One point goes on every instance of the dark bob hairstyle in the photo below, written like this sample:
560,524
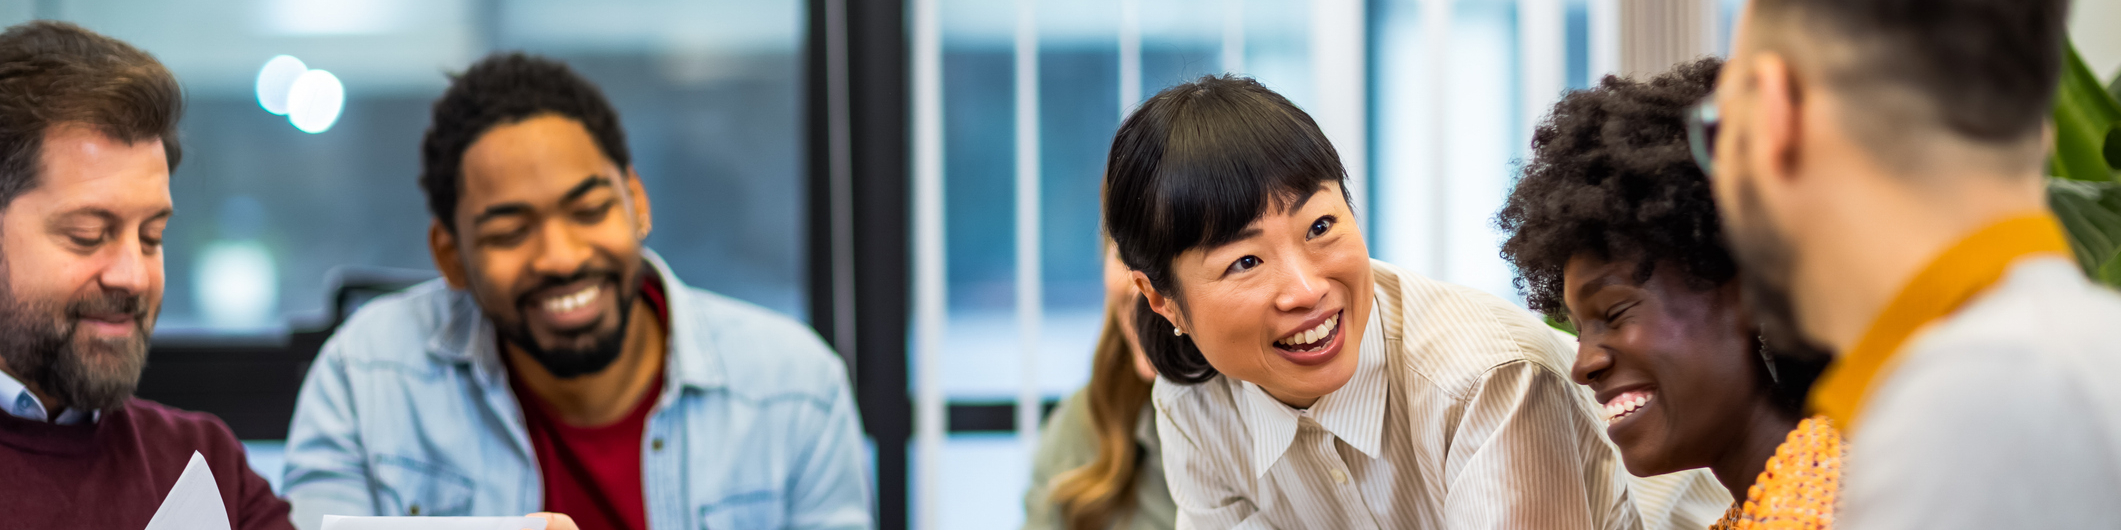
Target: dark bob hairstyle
1192,168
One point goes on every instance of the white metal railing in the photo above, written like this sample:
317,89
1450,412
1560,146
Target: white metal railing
1341,82
929,280
1030,282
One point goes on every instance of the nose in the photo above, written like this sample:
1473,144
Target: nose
560,251
1592,361
1304,288
133,268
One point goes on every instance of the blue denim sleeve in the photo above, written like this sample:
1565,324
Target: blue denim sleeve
326,467
830,487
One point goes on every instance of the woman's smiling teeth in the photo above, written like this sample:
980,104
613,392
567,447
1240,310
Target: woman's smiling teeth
1311,339
570,302
1625,405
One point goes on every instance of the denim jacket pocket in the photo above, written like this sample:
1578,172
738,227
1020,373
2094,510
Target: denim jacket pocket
405,486
743,511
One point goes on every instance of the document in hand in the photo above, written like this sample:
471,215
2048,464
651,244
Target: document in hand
194,503
342,522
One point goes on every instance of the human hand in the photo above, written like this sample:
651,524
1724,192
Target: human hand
555,521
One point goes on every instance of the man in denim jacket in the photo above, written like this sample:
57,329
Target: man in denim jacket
559,365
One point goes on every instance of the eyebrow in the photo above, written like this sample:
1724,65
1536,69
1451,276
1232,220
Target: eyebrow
1596,284
1297,204
521,208
108,215
583,187
501,210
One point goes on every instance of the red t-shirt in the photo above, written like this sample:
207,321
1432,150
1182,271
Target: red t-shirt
593,474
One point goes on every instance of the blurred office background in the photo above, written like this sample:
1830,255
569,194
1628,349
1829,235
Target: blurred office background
916,178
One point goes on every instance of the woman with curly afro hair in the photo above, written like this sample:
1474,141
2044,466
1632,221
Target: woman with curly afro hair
1612,229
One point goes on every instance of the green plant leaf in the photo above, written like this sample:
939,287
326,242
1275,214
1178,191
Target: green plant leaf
2085,117
2109,274
1561,324
2091,214
2113,137
2113,88
2113,149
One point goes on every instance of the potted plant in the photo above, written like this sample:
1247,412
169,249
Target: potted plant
2083,186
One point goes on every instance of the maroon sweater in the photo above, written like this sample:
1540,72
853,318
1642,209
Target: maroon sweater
112,474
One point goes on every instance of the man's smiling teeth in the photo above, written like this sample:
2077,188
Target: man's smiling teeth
562,304
1625,405
1304,339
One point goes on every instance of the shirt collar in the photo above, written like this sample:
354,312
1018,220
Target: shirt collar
18,401
467,337
1354,413
1951,279
1145,430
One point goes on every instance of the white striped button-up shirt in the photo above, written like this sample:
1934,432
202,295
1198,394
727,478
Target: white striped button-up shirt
1460,414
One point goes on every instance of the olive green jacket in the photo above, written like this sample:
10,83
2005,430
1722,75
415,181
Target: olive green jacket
1069,441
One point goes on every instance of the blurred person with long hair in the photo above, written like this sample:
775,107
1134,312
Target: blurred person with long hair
1099,464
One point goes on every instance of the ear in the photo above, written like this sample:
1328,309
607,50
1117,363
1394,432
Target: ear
638,194
448,258
1778,118
1162,305
2047,135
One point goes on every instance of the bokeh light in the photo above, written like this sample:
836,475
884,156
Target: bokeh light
314,102
274,81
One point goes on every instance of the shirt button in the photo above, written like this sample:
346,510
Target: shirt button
657,444
1340,476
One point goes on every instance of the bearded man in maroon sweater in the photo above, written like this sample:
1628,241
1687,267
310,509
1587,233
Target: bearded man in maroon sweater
87,142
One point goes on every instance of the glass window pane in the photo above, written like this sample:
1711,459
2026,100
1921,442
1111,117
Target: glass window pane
1443,168
709,93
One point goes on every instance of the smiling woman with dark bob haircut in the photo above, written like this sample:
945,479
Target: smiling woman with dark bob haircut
1304,385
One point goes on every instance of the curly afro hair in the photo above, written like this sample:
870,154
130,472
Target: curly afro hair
501,89
1611,177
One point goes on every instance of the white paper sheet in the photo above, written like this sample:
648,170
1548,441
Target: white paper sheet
342,522
194,503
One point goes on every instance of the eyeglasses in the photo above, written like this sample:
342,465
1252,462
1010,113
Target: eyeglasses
1701,123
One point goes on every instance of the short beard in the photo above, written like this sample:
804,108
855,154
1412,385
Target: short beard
1765,262
567,362
41,345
